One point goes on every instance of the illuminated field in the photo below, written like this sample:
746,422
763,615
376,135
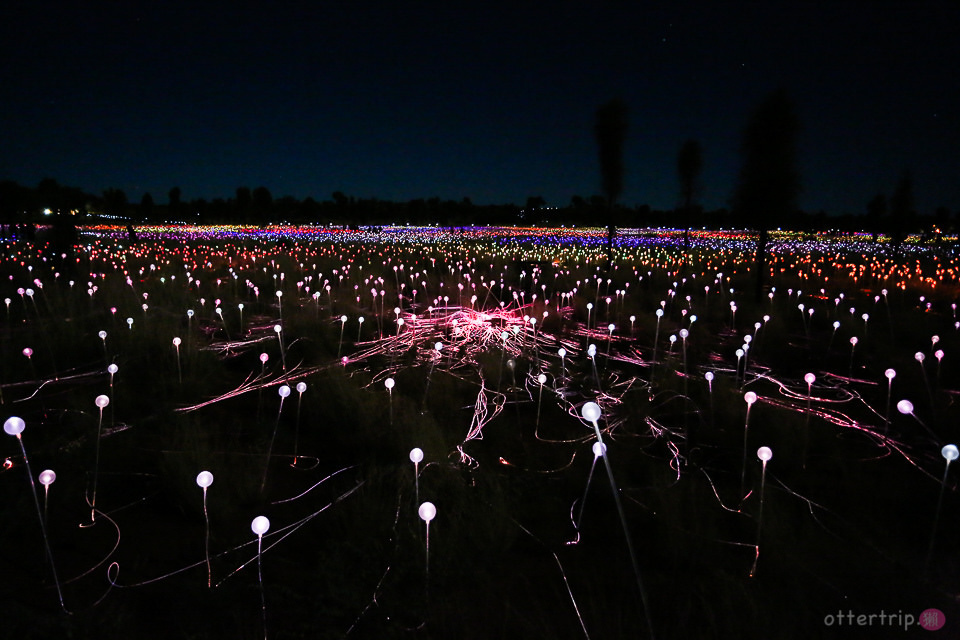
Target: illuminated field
481,347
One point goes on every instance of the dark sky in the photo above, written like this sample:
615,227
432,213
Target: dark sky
489,100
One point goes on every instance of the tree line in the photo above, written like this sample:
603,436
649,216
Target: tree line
892,215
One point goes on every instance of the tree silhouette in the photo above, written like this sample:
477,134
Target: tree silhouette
173,203
244,204
262,203
115,202
941,218
610,130
902,212
15,201
689,166
876,212
769,182
146,207
531,213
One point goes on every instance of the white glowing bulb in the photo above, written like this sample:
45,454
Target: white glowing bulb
204,479
260,525
427,512
764,453
590,411
416,455
102,401
14,426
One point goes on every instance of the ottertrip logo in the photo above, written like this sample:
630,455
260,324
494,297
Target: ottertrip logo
930,619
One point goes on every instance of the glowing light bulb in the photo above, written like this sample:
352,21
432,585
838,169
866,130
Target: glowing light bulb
427,511
204,479
590,411
14,426
260,525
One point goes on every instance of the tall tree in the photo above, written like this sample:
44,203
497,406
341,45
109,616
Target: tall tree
876,212
174,204
146,207
115,202
531,213
610,129
689,166
262,203
769,181
244,204
902,212
941,218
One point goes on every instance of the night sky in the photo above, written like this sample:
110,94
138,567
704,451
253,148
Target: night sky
492,101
